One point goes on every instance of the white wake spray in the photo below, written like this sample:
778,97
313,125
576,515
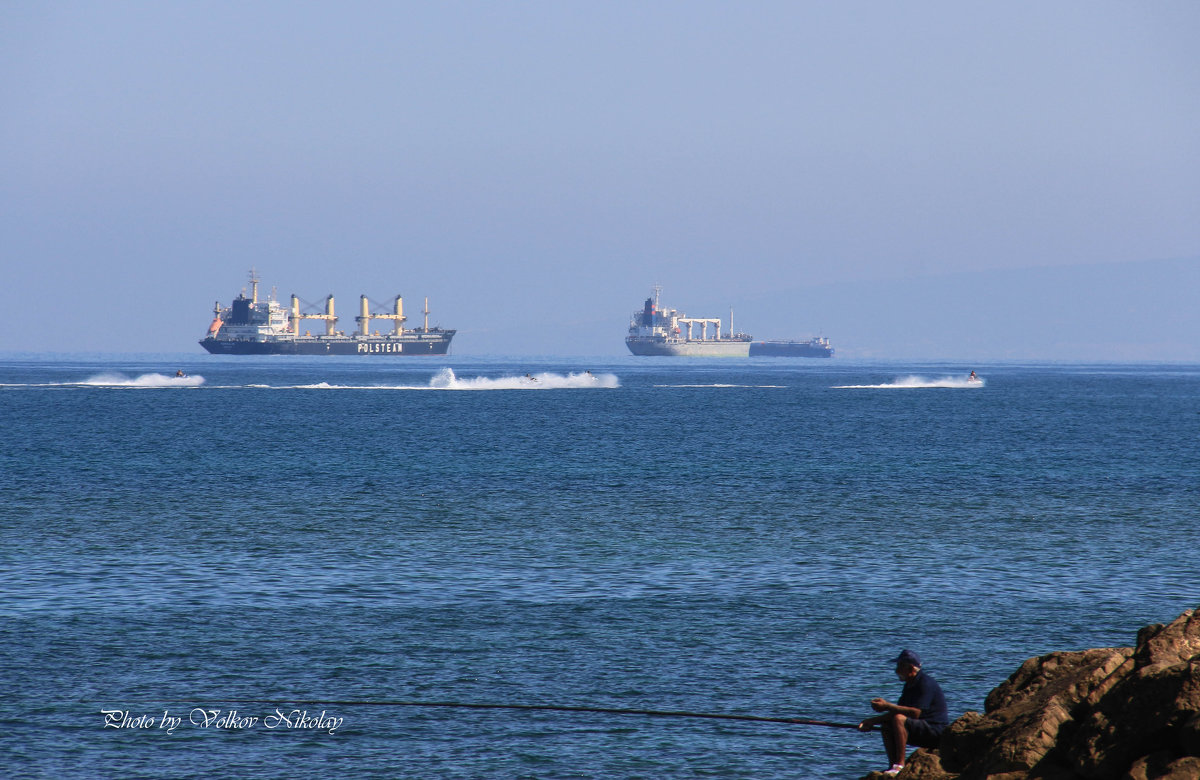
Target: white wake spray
446,380
144,380
913,382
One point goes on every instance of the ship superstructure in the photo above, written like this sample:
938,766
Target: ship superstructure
253,327
654,330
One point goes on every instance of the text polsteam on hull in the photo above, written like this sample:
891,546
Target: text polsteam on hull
253,327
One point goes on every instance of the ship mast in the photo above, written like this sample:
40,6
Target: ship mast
253,286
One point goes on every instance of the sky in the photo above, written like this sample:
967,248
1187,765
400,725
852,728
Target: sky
847,169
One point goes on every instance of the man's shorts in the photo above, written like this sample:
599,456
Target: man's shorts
922,733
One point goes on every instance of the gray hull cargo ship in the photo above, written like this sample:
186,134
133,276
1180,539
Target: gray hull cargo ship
657,331
253,327
813,348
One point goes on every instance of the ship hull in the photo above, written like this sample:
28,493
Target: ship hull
805,349
650,347
420,344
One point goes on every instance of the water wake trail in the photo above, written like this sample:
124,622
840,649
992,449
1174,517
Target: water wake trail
144,380
913,382
724,385
446,380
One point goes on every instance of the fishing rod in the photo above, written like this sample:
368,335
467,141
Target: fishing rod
547,707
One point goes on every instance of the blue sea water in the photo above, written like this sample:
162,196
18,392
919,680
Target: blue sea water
740,536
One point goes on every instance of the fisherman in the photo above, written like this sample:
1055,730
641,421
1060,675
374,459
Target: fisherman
917,719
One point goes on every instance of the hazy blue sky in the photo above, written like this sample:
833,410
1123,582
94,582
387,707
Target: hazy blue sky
534,167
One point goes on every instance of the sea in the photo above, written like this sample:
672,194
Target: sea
268,567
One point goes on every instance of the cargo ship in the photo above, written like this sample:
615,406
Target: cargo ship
813,348
656,331
253,327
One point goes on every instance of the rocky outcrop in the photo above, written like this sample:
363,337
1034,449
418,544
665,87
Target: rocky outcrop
1107,714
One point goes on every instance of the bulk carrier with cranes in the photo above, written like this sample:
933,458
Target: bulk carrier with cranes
658,331
253,327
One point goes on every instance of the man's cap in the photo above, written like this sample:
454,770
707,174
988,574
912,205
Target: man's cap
908,657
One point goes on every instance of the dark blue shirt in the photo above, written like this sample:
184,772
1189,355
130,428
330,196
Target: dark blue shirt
925,694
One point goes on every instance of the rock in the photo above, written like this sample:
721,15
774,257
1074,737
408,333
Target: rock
1159,766
1104,714
1025,715
923,763
927,764
1189,735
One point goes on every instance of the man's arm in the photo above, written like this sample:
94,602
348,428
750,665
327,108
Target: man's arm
871,723
883,705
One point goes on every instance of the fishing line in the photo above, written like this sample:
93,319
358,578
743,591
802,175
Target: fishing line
546,707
